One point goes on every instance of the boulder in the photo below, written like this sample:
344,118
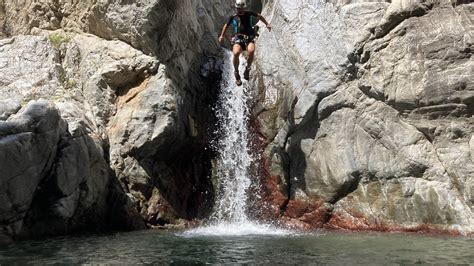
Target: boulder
29,144
65,183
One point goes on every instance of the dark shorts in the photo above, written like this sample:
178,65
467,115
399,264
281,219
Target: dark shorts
242,40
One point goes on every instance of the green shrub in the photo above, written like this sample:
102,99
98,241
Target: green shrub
57,39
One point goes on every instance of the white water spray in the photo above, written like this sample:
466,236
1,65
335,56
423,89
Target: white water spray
234,158
234,161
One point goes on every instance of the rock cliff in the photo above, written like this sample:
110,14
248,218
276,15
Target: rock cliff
363,113
104,113
366,113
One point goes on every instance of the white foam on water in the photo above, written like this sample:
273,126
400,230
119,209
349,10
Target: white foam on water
236,229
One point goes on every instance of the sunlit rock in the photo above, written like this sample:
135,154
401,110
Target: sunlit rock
369,106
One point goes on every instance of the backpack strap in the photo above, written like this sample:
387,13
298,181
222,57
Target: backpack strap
236,23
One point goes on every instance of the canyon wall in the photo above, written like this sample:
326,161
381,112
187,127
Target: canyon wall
362,110
105,109
365,109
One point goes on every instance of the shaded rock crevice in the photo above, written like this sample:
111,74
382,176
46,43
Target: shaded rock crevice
166,166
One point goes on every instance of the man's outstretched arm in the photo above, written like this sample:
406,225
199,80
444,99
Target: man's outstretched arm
260,17
221,37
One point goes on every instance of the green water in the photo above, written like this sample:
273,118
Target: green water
173,248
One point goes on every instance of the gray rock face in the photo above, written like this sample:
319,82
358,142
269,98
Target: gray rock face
115,113
53,180
2,19
367,107
87,78
28,148
173,31
158,133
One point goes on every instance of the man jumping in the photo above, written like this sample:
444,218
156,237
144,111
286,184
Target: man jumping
243,38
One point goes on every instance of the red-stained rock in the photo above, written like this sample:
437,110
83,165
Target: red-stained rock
315,214
346,222
307,216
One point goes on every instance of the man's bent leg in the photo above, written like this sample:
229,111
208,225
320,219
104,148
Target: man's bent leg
236,50
251,51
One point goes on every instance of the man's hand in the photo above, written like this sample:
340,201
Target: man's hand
221,39
269,27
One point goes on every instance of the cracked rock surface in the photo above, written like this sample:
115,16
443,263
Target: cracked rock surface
104,112
367,110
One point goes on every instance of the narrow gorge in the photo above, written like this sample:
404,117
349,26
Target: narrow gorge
360,115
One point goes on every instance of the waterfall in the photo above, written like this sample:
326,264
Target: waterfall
234,158
233,163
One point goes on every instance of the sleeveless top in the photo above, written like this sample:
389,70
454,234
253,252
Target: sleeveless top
243,24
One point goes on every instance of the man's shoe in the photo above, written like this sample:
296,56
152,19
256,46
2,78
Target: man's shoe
247,73
237,78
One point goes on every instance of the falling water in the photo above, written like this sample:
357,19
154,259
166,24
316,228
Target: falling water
234,158
234,161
